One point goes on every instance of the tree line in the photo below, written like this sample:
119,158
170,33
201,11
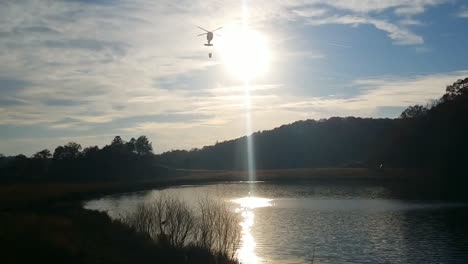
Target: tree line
118,160
431,137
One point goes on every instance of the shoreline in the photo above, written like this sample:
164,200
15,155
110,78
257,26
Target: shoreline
14,196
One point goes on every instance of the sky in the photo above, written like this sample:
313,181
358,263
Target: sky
86,71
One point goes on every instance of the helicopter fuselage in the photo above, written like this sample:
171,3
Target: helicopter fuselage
209,38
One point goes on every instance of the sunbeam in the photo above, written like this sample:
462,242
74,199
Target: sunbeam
250,146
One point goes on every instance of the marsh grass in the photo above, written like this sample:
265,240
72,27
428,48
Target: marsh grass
210,227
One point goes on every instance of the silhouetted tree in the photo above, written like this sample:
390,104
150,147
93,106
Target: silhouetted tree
455,90
3,160
69,151
21,157
143,147
42,155
117,141
414,112
117,146
130,145
89,151
74,148
59,153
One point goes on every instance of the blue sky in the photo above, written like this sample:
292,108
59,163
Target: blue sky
86,71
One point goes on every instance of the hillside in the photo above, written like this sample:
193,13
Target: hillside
334,142
432,137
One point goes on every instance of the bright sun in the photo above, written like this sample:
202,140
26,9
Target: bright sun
245,52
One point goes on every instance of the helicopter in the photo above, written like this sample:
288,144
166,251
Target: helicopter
209,37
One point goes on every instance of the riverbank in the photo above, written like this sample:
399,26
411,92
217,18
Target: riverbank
67,234
46,223
14,196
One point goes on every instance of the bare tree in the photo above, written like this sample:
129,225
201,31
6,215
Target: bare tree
218,227
170,221
165,219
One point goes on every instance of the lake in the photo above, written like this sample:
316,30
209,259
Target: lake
307,222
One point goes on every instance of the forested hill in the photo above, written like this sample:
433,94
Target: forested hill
433,136
334,142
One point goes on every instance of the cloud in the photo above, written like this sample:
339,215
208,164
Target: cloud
399,35
410,22
463,14
63,102
410,10
310,12
9,102
12,86
407,91
311,55
377,6
378,93
323,12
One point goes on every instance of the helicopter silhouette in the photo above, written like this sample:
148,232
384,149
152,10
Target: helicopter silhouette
209,37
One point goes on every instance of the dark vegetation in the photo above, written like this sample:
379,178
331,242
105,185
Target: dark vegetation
120,160
75,235
431,138
213,229
46,223
334,142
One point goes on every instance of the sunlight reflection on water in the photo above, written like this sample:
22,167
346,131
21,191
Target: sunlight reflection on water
326,223
246,208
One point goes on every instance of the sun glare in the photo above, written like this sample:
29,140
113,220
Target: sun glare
253,202
246,253
245,52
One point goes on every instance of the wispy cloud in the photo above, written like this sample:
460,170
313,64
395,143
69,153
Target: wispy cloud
410,22
463,14
322,12
399,35
410,10
380,92
310,12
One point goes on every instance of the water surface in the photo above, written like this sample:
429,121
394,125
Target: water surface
333,223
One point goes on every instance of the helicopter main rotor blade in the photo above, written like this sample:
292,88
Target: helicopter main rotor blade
203,29
202,34
217,29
